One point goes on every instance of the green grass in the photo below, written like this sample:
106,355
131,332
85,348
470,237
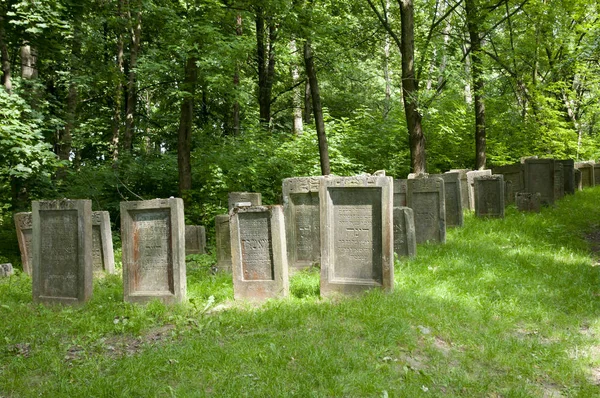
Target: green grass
507,308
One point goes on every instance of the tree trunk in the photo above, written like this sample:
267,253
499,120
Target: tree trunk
5,79
265,46
136,32
118,93
236,82
307,102
28,62
410,88
297,95
318,110
184,138
478,83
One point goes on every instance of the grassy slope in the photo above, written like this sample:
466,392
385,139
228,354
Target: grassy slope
506,308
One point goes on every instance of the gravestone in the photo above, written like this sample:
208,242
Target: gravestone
415,175
302,222
223,242
195,239
489,196
526,158
513,180
153,236
405,243
23,224
6,270
400,188
470,183
568,176
559,180
426,197
464,186
103,257
253,198
530,202
577,178
453,198
596,174
357,248
62,251
587,174
539,177
258,253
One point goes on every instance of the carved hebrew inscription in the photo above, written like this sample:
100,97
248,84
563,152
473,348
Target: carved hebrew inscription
152,259
426,206
306,226
257,250
59,253
357,233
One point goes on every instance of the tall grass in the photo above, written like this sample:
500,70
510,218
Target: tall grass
507,308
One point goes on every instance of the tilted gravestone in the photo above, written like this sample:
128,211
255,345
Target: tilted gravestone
426,196
62,251
539,177
559,180
464,186
405,242
453,198
23,224
530,202
357,248
513,180
587,174
195,239
153,236
400,188
103,257
258,253
577,175
489,196
302,222
470,178
223,242
568,176
253,198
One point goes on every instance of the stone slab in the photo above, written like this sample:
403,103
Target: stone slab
195,239
153,236
588,178
223,243
596,174
452,199
357,248
62,251
577,177
400,189
405,242
6,270
528,202
470,184
103,257
24,228
302,221
489,196
568,176
426,196
464,186
258,253
540,177
559,180
254,198
514,180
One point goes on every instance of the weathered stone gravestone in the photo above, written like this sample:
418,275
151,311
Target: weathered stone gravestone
530,202
577,175
62,251
302,222
253,198
453,198
559,180
405,242
587,174
153,236
464,186
223,243
400,188
23,224
596,174
513,180
415,175
568,176
426,196
103,257
357,248
6,270
539,177
470,183
489,196
195,239
258,253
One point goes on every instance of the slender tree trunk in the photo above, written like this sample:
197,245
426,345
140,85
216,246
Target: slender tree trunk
410,89
184,141
265,46
5,79
307,110
118,91
478,83
297,95
28,62
136,32
236,82
318,110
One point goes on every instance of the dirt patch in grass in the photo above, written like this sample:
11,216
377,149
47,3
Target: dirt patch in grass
118,346
593,239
